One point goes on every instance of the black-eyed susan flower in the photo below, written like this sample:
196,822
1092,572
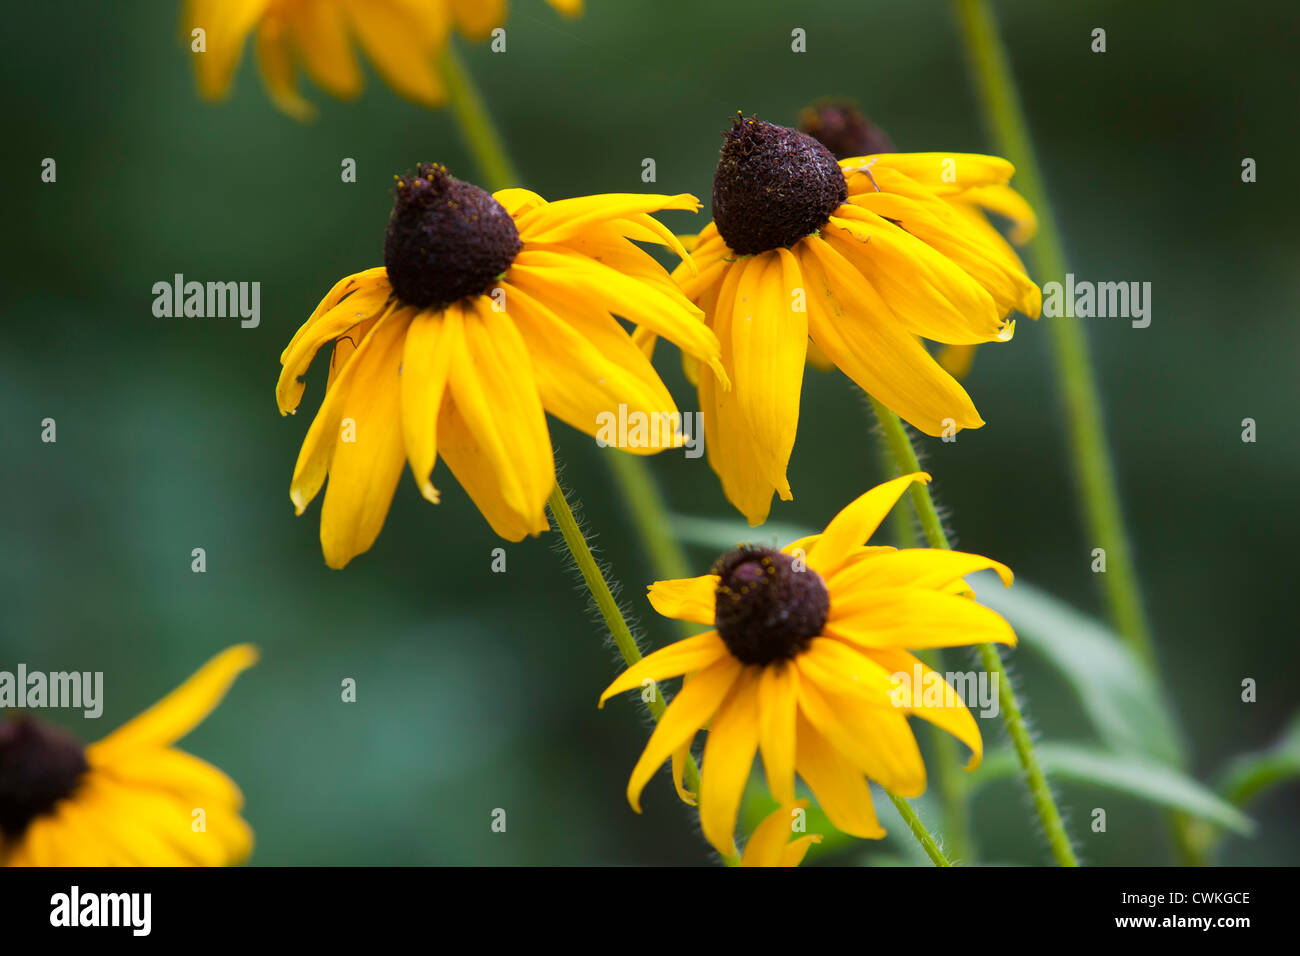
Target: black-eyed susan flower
843,129
771,845
867,257
401,38
131,799
802,667
490,311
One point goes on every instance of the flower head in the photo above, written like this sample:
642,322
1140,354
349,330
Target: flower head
866,257
801,667
130,799
490,311
402,38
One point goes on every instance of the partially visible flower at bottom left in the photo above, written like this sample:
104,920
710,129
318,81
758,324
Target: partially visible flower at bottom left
130,799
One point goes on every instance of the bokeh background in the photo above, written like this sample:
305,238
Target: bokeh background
477,690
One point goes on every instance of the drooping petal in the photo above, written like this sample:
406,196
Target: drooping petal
279,75
770,838
565,218
401,38
368,447
226,25
769,340
730,448
839,787
855,328
496,395
433,341
478,18
323,43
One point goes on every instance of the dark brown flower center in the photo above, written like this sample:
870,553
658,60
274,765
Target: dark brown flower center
843,129
446,239
39,766
767,607
773,186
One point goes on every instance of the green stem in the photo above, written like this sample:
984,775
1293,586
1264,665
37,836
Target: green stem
1094,471
953,794
928,843
475,123
608,607
905,455
1093,467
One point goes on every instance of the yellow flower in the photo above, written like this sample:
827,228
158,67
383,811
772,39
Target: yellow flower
865,257
402,38
770,844
843,129
490,311
804,664
130,799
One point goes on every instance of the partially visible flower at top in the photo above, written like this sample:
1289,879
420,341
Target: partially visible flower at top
490,311
865,257
847,132
770,843
402,38
800,668
130,799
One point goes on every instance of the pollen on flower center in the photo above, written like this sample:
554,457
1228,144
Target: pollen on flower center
39,766
773,186
446,239
767,608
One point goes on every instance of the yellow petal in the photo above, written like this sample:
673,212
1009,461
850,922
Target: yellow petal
183,709
769,340
368,447
839,787
769,839
321,32
689,711
858,522
876,740
566,218
728,759
732,452
279,75
226,25
433,340
942,707
855,328
913,617
496,395
686,599
402,39
478,18
777,709
682,657
362,298
913,568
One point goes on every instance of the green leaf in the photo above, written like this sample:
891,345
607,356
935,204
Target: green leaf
1116,690
1133,774
1251,773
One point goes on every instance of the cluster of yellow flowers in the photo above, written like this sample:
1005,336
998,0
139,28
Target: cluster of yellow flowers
491,310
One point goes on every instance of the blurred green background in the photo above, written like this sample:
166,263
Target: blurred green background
478,690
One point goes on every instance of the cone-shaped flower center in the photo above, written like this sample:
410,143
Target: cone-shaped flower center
773,186
446,239
844,130
39,766
768,607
